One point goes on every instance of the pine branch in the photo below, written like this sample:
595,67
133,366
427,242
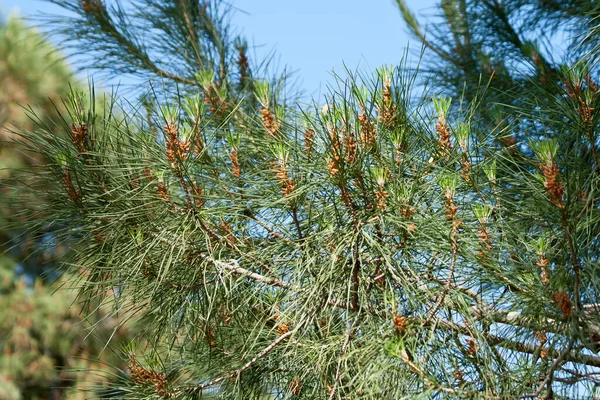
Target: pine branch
412,22
265,352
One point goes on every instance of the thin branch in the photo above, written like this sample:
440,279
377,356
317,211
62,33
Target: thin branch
550,374
237,372
338,372
446,288
233,266
191,32
521,347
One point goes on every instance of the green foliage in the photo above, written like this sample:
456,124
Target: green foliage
509,50
386,245
301,268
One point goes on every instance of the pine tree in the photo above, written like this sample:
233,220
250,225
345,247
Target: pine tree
386,245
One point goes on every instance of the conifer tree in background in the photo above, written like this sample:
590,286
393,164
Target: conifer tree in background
385,246
516,48
47,351
41,85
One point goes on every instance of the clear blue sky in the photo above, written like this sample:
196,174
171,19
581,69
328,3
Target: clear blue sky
312,37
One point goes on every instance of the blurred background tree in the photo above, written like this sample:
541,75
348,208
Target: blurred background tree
32,73
47,348
33,78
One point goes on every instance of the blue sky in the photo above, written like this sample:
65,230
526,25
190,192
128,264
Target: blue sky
312,37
